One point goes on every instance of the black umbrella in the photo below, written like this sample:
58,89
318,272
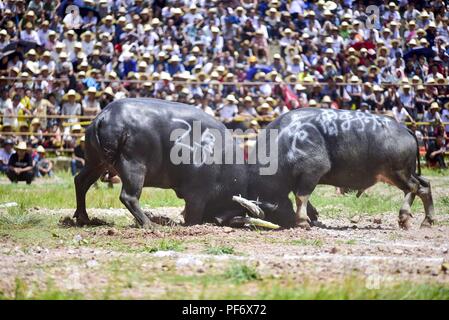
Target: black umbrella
422,51
20,46
85,10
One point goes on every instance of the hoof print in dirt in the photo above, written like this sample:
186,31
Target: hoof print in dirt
427,223
163,221
69,222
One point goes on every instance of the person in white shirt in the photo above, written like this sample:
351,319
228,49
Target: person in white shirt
229,109
43,32
87,43
4,41
90,103
401,115
29,34
297,65
69,43
204,105
73,19
71,107
192,15
11,113
47,62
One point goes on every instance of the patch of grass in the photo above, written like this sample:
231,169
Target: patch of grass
24,291
219,250
60,193
19,218
166,245
434,172
240,273
308,242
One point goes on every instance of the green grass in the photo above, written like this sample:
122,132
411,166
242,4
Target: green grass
55,194
27,229
19,218
249,287
308,242
167,245
240,273
219,250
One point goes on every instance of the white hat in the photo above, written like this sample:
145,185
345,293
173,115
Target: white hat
231,98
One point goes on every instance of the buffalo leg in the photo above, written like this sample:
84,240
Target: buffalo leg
194,211
133,177
412,186
425,194
302,220
405,211
312,212
83,181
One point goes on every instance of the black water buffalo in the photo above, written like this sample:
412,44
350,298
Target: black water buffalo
135,139
347,149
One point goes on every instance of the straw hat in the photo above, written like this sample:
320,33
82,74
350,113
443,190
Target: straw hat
93,90
21,146
40,149
231,98
35,121
174,58
71,93
377,88
434,105
355,59
166,76
354,79
109,92
326,99
264,107
312,103
83,138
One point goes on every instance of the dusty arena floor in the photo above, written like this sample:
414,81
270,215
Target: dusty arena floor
352,255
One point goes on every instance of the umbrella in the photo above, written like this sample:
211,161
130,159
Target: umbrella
65,3
11,54
20,46
85,10
422,51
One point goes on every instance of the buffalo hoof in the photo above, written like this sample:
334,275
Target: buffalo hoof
303,224
427,223
82,221
405,220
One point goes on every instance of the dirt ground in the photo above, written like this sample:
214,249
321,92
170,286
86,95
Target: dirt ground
371,248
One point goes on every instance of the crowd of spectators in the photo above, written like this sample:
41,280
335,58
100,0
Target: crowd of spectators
244,61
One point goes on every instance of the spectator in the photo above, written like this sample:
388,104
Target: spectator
135,49
5,154
229,109
20,165
401,114
78,157
42,166
90,104
71,106
435,153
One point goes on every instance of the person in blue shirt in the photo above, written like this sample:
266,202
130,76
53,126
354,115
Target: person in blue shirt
174,65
